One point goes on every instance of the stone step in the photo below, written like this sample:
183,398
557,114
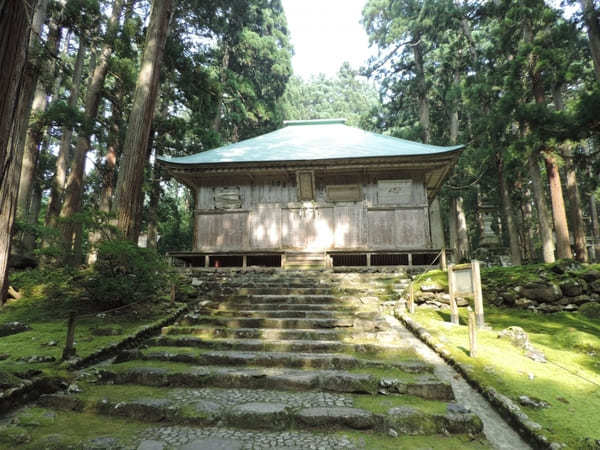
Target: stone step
278,298
242,322
285,290
272,314
279,379
302,346
270,288
270,415
255,333
293,360
284,306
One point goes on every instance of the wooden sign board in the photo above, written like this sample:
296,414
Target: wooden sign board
394,192
344,193
227,198
465,279
306,185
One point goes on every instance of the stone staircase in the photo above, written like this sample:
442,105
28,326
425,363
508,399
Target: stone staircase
276,353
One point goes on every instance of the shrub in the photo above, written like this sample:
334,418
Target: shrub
590,310
125,273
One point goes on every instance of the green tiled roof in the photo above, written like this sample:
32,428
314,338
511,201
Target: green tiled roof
308,140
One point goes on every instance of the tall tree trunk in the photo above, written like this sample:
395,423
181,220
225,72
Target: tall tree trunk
36,127
452,229
595,227
14,33
62,160
591,17
30,78
131,171
542,209
563,246
576,216
513,234
15,38
462,237
74,185
424,118
223,79
153,208
108,182
529,225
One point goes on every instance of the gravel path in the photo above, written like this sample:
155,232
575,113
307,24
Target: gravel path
499,434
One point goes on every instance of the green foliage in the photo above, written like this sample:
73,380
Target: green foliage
125,273
590,310
346,95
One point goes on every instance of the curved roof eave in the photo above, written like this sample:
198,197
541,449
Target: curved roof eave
308,142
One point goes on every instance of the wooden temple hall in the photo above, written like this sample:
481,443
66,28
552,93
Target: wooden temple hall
315,193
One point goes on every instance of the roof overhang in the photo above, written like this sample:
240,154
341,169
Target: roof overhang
436,166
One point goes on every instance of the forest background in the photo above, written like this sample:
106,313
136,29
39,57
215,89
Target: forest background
95,90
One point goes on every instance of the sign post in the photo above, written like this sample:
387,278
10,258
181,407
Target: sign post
465,279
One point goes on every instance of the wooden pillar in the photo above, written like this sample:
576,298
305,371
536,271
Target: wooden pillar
477,294
69,350
453,306
472,335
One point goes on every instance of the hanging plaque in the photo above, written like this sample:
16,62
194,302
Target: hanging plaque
227,198
394,192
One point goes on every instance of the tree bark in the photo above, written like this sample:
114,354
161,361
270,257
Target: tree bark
513,235
153,208
74,185
529,226
131,172
106,194
576,216
452,229
14,33
591,17
424,118
223,79
595,227
563,246
542,209
62,160
35,133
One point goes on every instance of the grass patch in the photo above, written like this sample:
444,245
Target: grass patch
44,428
436,276
570,382
120,393
387,373
380,404
376,441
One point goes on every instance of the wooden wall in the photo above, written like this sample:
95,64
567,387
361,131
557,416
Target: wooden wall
268,216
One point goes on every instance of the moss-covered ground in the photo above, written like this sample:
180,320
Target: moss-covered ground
36,428
45,307
569,382
376,441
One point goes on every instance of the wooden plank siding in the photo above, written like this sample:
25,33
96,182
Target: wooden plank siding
271,218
